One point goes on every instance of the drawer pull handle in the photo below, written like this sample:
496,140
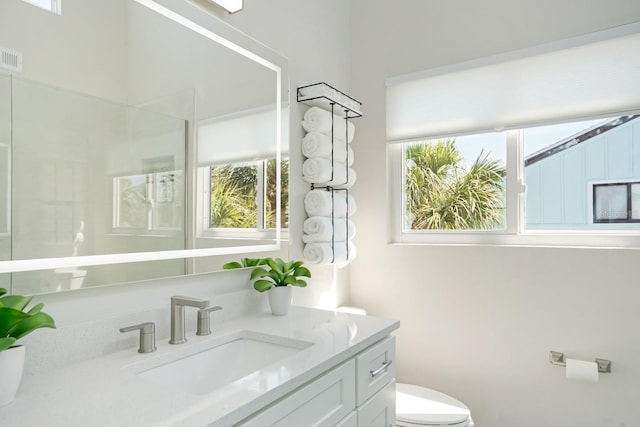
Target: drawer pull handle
381,369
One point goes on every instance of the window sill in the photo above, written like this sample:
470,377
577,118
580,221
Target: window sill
531,239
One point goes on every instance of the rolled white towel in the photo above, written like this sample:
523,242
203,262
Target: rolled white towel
321,253
316,144
320,229
318,120
318,203
318,171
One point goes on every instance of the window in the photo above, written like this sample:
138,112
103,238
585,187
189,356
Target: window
579,179
151,202
569,112
54,6
616,202
570,171
148,203
237,188
455,183
241,197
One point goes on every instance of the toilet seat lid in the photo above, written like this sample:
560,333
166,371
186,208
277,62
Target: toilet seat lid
423,406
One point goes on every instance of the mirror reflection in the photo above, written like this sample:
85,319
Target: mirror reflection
124,132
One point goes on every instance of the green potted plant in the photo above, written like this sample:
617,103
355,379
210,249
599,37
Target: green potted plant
277,277
15,323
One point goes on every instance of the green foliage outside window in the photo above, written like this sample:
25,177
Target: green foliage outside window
441,194
234,190
233,196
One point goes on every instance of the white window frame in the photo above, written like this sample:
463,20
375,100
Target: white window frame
54,6
515,233
203,209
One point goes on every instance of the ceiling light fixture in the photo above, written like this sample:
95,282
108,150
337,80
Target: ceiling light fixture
231,6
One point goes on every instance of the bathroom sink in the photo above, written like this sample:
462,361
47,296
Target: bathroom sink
203,370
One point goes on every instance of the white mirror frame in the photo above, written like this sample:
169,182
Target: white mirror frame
15,266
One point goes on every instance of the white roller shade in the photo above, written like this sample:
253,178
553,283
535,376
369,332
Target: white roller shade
585,76
240,137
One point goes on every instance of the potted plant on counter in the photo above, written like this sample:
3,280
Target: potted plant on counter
16,323
278,277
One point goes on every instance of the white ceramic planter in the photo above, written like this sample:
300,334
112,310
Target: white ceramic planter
11,367
280,298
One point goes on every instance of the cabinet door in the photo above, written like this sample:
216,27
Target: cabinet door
375,368
380,410
321,403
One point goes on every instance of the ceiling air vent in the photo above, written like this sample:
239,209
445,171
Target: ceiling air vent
10,60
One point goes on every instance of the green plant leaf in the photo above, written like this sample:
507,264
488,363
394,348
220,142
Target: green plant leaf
18,302
3,291
36,309
252,262
259,272
275,265
297,282
262,285
302,271
231,265
6,342
278,278
31,323
289,280
9,317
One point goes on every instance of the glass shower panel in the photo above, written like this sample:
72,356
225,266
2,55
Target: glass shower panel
74,157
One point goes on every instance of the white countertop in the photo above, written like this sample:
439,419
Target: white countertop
103,391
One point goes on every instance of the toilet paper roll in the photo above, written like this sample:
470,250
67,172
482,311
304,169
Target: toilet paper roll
582,370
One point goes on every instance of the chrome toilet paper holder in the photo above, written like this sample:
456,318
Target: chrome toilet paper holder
557,358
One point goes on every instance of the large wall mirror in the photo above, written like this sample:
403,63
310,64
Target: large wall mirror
135,135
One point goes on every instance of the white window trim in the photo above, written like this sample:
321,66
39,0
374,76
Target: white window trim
515,234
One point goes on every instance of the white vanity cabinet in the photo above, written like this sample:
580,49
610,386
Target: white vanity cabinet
359,392
323,402
380,410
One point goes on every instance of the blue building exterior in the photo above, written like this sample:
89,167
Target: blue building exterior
587,181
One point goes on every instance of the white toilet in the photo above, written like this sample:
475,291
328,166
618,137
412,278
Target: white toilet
419,406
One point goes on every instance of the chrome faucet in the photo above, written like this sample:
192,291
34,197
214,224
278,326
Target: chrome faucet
177,316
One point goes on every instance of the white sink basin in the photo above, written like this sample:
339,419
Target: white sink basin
224,361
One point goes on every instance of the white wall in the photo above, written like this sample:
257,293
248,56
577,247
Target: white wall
55,55
478,322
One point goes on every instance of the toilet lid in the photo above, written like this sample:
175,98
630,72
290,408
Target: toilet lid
423,406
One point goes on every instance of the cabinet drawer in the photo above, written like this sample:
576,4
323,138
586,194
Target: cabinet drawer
350,421
323,402
380,410
375,368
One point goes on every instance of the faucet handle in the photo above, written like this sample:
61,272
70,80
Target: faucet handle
204,320
147,336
